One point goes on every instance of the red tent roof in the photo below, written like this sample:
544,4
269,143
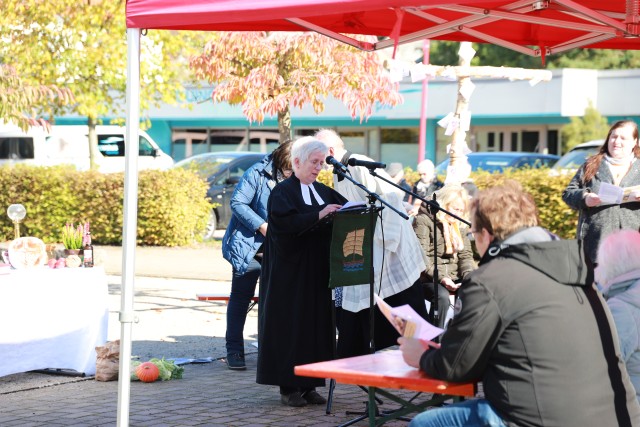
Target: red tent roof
525,26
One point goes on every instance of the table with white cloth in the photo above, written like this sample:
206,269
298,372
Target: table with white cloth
52,319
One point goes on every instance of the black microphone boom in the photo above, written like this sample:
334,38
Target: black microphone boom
366,164
336,164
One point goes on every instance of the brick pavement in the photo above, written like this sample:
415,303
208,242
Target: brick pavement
172,324
208,395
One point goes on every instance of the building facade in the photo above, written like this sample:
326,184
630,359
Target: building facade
505,116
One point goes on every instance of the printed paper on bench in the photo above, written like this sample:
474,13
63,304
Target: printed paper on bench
407,322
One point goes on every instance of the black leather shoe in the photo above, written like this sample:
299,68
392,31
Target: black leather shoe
293,399
314,397
235,361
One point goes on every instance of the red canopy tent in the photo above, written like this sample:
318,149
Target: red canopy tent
528,26
532,27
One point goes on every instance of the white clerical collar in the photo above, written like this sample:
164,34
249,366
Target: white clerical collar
305,194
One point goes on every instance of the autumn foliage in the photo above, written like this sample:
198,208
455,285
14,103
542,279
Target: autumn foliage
268,73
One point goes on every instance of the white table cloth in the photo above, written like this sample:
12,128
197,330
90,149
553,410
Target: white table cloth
52,318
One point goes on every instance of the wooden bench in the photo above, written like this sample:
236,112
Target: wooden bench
225,297
388,370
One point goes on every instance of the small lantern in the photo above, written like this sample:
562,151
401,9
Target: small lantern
16,213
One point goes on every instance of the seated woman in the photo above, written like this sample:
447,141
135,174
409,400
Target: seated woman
453,252
294,325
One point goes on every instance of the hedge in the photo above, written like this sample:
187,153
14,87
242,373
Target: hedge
546,190
172,205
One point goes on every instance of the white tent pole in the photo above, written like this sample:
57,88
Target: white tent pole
127,314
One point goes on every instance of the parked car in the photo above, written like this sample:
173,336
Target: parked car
497,161
574,158
223,171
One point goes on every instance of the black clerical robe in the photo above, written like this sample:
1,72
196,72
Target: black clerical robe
295,326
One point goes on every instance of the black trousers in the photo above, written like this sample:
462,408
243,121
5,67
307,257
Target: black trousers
443,302
353,328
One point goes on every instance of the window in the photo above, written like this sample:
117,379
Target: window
236,170
145,147
113,146
16,148
530,141
552,142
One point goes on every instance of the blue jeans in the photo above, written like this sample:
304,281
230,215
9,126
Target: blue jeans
470,413
243,287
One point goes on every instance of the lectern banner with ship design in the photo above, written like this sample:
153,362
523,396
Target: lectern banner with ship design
351,249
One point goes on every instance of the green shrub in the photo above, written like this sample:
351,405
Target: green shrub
172,205
546,190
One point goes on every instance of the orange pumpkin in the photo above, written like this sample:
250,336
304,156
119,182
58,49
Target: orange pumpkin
147,372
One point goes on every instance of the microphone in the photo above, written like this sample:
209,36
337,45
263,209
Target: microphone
336,164
367,164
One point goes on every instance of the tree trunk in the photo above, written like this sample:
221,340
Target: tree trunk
93,143
284,125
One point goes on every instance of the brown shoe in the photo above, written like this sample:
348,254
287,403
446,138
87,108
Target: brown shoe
314,397
293,399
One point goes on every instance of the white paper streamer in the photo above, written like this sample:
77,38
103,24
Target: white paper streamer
466,89
444,122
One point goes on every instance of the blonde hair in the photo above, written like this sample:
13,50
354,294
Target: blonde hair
504,209
451,193
618,253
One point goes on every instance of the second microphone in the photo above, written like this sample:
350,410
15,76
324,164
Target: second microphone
367,164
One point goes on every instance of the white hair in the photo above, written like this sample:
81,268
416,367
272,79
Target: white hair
330,137
426,166
304,146
618,253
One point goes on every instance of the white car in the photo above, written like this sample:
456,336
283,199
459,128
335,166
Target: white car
574,158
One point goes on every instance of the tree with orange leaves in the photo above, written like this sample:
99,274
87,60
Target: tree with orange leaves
268,73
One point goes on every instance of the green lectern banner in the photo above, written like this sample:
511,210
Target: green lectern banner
350,249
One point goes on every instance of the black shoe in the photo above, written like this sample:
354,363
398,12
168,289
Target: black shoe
314,397
235,361
293,399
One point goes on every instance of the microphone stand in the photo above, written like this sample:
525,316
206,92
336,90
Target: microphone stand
373,209
433,208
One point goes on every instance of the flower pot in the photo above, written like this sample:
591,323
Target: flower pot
74,257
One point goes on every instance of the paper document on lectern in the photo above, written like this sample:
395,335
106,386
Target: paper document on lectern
407,322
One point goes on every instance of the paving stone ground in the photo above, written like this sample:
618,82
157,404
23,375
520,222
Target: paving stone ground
172,323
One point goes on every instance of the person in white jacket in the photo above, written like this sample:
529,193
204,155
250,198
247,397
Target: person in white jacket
618,275
397,258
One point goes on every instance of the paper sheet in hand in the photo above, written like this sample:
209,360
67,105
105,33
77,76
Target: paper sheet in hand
613,195
407,322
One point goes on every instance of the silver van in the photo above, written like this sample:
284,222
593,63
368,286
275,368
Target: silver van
69,144
574,158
